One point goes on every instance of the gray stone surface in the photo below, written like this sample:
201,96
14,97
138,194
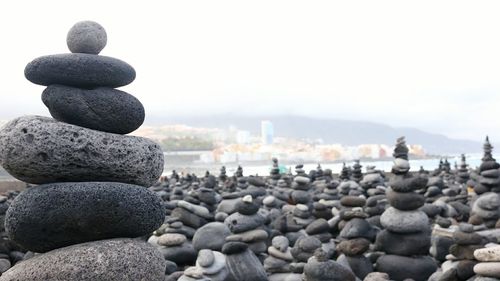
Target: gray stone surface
40,150
211,236
86,37
110,260
79,70
52,216
404,221
102,109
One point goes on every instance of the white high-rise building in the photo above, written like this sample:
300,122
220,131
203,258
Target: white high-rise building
267,132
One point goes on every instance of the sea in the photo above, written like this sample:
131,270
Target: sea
473,161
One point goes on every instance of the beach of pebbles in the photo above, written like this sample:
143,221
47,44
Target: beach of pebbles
97,207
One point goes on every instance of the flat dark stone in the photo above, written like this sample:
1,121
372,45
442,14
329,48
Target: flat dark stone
102,109
52,216
79,70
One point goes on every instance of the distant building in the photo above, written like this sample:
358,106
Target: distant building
267,132
243,137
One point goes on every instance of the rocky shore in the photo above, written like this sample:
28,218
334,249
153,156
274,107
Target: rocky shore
97,209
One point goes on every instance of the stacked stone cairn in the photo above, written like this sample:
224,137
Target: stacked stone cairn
279,263
91,201
246,225
356,234
406,237
345,174
488,267
357,172
462,171
489,179
460,262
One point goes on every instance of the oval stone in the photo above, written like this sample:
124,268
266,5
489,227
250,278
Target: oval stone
79,70
404,221
86,211
102,109
40,150
116,259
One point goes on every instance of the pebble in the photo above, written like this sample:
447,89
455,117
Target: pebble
490,254
86,37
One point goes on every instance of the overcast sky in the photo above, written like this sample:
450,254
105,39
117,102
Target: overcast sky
433,65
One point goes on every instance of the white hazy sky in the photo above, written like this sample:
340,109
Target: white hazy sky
433,65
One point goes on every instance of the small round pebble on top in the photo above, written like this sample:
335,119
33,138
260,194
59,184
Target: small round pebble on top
86,37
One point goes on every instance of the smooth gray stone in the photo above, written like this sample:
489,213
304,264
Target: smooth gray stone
86,37
111,260
52,216
401,267
40,150
404,221
245,266
79,70
102,109
406,244
211,236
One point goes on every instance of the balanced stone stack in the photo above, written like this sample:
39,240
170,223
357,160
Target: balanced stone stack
345,174
486,209
461,259
279,263
246,226
463,171
357,173
488,268
406,237
93,178
489,179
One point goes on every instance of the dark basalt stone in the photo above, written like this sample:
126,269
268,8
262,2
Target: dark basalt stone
40,150
405,201
116,259
79,70
402,268
403,244
56,215
102,109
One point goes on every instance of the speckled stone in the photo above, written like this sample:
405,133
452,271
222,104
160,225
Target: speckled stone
41,150
111,260
52,216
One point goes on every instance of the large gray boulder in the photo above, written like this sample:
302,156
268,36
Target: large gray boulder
52,216
110,260
39,150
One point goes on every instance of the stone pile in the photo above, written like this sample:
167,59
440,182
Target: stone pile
406,235
92,199
489,179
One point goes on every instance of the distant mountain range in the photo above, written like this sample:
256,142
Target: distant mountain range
331,131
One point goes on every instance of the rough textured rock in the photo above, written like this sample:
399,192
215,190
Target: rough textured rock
86,37
102,109
407,244
86,211
404,221
401,268
79,70
111,260
40,150
245,266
